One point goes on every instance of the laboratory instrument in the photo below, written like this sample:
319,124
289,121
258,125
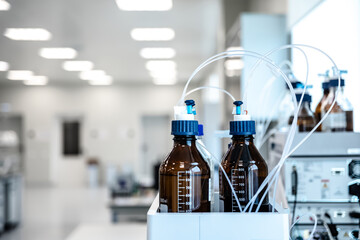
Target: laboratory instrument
326,175
13,195
184,174
243,165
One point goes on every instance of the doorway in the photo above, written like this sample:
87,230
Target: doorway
156,144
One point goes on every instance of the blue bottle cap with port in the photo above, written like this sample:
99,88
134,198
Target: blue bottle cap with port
185,127
241,127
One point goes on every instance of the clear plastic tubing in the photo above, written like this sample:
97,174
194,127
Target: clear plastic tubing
298,220
210,87
251,54
276,170
265,92
204,148
283,158
212,59
236,53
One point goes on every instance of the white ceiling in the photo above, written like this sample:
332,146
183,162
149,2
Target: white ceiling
100,32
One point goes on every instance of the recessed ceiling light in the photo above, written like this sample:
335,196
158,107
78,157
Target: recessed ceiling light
164,81
163,73
36,80
160,65
157,53
152,34
234,64
19,75
27,34
233,48
105,80
4,66
77,65
144,5
92,75
58,53
4,5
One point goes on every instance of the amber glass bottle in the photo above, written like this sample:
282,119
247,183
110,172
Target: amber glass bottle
341,116
184,175
244,167
325,86
306,119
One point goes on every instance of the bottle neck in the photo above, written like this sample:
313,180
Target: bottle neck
242,139
334,89
188,140
305,104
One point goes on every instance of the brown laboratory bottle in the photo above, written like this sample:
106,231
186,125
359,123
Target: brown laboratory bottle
244,167
325,86
340,117
306,119
184,174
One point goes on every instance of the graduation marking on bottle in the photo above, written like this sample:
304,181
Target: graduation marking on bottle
239,185
184,182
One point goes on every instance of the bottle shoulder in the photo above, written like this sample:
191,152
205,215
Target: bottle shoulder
240,153
184,158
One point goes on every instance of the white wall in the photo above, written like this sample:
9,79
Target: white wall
112,113
297,9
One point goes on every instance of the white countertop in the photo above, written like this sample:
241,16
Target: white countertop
133,231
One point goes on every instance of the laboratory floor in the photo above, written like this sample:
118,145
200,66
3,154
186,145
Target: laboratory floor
56,213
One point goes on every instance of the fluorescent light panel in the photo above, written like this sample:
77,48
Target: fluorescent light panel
152,34
92,75
157,53
163,73
164,81
77,65
144,5
234,64
160,65
4,5
36,81
4,66
58,53
106,80
27,34
19,75
233,48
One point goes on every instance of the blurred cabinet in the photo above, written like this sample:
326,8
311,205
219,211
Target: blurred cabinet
259,33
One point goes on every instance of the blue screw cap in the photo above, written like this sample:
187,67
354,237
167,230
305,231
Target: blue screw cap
184,127
200,130
242,127
307,97
335,82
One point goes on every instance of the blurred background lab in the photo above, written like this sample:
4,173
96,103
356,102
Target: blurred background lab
87,90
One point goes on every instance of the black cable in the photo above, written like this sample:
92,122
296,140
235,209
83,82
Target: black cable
294,189
332,227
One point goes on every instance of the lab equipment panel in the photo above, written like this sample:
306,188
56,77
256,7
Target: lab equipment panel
320,179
